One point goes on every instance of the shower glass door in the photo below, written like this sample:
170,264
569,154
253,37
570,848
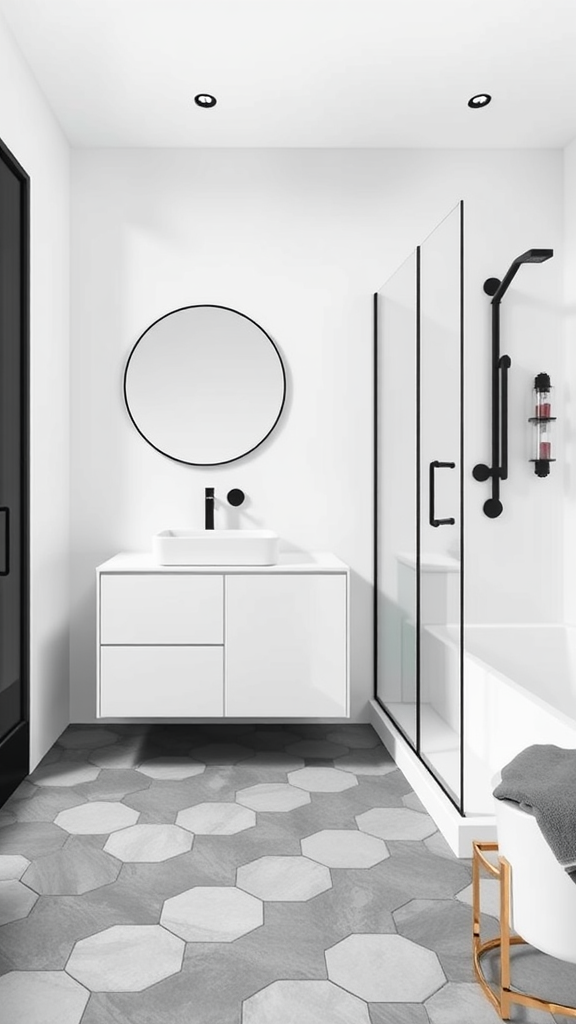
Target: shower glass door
397,526
440,477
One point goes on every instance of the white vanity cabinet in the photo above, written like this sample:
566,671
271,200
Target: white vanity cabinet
223,641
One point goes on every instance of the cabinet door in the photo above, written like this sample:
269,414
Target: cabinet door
161,608
161,682
286,646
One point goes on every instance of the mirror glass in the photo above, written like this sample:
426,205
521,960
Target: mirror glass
205,385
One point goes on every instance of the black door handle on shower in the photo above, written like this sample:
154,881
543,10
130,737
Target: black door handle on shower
504,365
432,493
5,512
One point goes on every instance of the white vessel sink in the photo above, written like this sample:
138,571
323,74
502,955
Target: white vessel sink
215,547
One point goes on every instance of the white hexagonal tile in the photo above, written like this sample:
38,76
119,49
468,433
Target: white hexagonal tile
464,1002
304,1002
16,901
148,844
272,796
65,773
358,737
344,848
87,739
366,762
317,748
12,866
42,997
322,780
287,879
171,768
489,896
126,958
216,819
212,914
222,753
96,818
395,823
384,968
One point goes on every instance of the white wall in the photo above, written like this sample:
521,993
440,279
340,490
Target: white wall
31,132
569,388
298,240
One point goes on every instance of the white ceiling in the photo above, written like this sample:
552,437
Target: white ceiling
304,72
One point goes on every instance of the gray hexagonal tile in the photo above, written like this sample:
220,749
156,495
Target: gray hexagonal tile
222,753
42,997
437,845
344,848
97,818
171,768
216,819
31,839
322,780
357,737
304,1002
126,958
413,802
272,796
395,823
65,773
489,896
212,914
317,748
12,866
16,901
125,754
384,968
77,868
286,879
88,738
274,759
149,843
272,739
367,762
456,1003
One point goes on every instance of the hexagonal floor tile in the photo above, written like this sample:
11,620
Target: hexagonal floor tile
42,997
77,868
126,754
12,866
212,914
322,780
395,823
222,753
456,1003
87,739
149,843
413,802
96,818
317,748
384,968
367,762
344,848
65,773
357,737
304,1002
126,958
171,768
489,896
286,879
216,819
272,796
16,901
274,759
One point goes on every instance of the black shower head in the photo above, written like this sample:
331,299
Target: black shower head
535,256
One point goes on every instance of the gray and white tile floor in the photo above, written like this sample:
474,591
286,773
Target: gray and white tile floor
236,875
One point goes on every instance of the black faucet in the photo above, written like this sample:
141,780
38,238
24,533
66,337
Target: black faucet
209,508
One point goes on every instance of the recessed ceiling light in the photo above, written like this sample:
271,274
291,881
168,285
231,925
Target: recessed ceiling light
204,99
481,100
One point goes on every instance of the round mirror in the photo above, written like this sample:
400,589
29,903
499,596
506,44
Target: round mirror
204,385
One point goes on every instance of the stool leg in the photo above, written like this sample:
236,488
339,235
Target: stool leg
505,1004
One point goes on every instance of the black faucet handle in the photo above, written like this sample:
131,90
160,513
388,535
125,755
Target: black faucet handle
236,496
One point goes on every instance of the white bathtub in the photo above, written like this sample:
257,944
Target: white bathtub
519,688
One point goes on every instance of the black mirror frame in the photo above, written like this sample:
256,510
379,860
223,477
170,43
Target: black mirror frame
204,305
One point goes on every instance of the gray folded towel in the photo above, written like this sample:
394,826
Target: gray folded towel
542,779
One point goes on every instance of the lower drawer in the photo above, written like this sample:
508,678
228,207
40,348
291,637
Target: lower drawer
161,682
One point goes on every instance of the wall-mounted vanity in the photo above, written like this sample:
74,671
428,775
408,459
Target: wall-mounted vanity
223,641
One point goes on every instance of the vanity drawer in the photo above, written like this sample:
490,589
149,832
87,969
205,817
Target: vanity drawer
161,682
161,608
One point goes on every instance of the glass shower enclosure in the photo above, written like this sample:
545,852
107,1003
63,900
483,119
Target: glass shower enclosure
419,343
